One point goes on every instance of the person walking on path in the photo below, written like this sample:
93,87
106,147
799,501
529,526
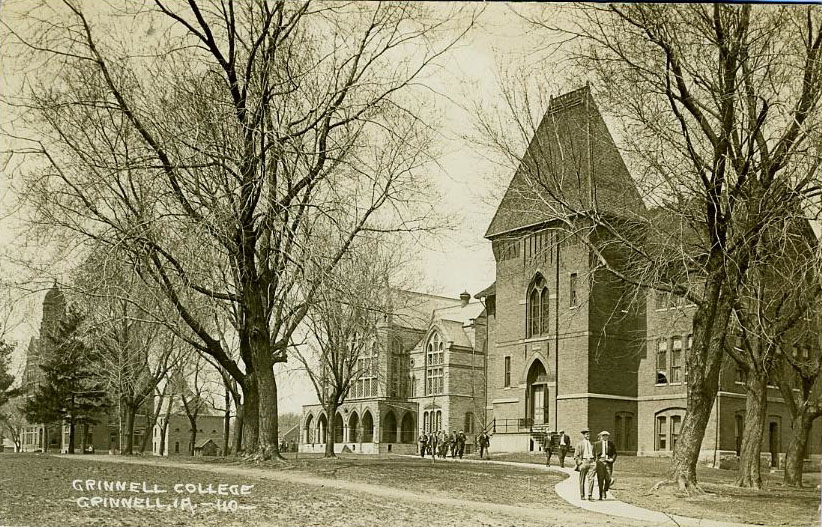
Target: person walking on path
461,443
549,449
423,440
484,442
606,454
564,443
584,457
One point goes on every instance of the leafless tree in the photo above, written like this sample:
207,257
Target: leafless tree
135,348
343,341
719,109
782,290
212,145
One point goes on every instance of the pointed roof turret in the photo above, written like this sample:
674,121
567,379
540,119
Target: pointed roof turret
572,164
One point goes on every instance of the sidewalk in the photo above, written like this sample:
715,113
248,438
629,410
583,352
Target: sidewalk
568,489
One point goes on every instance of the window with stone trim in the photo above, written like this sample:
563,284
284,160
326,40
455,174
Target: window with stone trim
662,361
668,427
507,373
537,311
434,360
676,359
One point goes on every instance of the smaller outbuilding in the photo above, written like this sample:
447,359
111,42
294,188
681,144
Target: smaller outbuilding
206,447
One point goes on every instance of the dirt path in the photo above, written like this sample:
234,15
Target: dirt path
482,509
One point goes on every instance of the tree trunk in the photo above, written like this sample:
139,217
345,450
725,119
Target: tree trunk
238,429
163,429
83,443
330,435
267,447
703,364
227,423
251,415
756,407
70,449
797,447
148,433
127,445
193,440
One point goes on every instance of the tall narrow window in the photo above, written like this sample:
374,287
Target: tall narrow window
507,378
676,360
545,301
537,322
434,365
572,290
661,433
535,315
676,424
662,361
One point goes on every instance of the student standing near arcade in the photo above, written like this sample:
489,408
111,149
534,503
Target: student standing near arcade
584,457
606,455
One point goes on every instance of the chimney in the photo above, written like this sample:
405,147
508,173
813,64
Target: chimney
465,297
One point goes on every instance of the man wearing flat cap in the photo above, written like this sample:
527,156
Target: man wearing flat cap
585,457
605,452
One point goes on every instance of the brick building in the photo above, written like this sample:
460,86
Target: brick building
101,437
570,345
555,342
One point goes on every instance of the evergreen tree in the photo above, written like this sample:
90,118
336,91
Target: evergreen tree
70,392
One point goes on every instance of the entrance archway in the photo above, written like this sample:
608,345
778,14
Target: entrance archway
389,428
536,394
407,429
309,434
367,427
338,428
354,428
322,428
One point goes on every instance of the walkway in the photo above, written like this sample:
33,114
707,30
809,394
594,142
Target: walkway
568,489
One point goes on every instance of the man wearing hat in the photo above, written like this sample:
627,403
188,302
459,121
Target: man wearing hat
564,443
605,452
584,455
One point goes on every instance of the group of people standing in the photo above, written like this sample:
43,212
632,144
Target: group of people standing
595,460
442,443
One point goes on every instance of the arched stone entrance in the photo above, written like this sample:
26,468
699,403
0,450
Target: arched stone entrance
367,427
408,428
339,428
389,428
309,433
354,428
536,393
322,429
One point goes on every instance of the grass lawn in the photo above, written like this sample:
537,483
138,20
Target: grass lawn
487,483
774,505
36,490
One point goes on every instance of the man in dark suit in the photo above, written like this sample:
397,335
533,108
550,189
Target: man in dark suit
564,443
605,452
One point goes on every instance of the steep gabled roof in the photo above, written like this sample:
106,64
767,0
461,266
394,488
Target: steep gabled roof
571,164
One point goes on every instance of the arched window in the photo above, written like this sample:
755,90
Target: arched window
309,433
389,428
367,427
434,365
425,422
538,319
668,424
